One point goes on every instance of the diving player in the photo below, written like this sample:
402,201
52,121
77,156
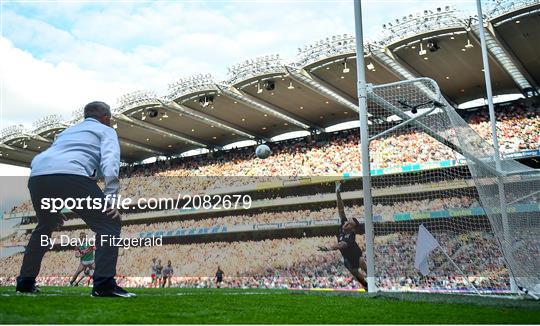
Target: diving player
346,243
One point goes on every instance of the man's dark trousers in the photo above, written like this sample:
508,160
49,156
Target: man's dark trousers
70,186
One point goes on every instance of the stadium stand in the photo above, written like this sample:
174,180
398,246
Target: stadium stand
286,263
518,127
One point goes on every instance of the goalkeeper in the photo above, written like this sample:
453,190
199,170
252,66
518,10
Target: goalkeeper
346,242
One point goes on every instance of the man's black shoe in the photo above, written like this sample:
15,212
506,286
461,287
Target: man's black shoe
27,289
114,292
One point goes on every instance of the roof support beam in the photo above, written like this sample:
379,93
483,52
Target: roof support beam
386,60
318,86
163,131
209,120
521,67
499,54
39,138
123,141
47,140
18,149
267,108
26,137
138,146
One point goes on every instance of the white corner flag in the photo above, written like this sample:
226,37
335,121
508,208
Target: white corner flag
425,244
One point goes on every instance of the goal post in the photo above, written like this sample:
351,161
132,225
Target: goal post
364,145
484,211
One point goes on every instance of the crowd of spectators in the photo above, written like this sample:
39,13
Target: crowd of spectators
517,131
23,207
19,238
295,263
476,253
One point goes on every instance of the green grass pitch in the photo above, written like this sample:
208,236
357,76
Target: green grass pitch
60,305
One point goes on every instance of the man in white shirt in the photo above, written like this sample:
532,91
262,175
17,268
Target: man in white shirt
69,169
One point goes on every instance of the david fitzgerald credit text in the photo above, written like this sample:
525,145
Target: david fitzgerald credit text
101,241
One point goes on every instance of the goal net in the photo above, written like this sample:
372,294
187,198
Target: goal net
428,166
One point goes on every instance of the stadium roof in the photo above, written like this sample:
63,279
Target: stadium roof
268,96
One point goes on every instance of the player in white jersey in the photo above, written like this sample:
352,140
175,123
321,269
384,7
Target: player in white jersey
153,272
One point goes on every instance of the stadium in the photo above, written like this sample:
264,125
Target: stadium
201,136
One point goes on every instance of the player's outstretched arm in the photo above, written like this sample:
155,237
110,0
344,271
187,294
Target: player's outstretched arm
340,206
337,246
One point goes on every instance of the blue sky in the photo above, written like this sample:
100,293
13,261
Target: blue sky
55,56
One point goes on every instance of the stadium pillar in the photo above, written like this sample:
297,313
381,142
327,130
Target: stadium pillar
364,144
502,197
